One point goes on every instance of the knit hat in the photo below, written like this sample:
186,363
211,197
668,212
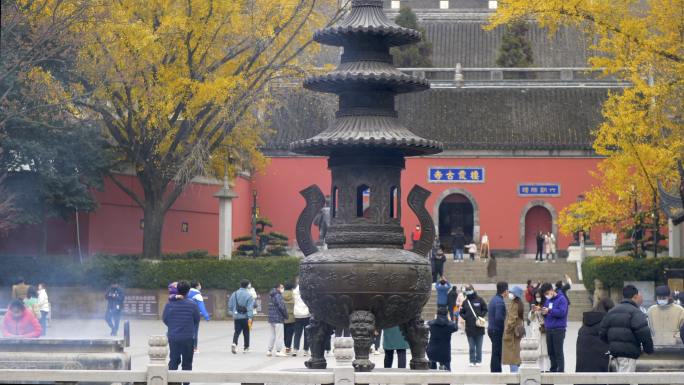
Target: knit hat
517,291
662,291
173,288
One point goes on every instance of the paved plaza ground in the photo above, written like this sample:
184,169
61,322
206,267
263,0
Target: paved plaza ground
215,338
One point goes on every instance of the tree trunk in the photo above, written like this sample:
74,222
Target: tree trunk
154,226
43,235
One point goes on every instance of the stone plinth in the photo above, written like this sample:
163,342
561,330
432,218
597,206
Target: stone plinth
574,254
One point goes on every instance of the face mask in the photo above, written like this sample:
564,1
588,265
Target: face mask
538,299
463,290
662,302
249,286
511,296
549,296
417,228
469,292
199,288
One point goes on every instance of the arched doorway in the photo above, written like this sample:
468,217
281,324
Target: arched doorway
457,195
536,216
455,211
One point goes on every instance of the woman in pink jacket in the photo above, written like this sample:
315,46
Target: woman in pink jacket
459,301
19,322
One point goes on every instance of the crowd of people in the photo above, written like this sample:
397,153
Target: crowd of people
27,312
622,332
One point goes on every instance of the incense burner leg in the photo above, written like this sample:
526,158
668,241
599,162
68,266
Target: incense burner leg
318,334
362,328
416,334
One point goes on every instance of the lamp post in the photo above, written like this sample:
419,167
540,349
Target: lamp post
255,215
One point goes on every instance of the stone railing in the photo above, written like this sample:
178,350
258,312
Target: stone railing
514,77
157,373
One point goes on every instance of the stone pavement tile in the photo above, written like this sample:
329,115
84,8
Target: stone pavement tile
215,339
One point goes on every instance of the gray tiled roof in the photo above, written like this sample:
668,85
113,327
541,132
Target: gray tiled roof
467,118
466,42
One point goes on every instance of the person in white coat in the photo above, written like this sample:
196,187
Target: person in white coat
539,332
302,318
459,302
44,306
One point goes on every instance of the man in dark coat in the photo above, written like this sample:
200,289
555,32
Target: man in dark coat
497,318
181,316
540,247
473,307
115,298
626,331
457,244
439,348
437,260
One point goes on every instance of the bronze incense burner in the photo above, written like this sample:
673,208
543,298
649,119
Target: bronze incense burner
365,280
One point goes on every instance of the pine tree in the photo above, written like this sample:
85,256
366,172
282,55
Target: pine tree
413,55
516,50
275,241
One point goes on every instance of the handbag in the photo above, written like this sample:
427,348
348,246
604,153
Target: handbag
479,321
542,328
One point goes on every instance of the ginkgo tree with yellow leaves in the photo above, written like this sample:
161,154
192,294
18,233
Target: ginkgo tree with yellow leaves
641,42
188,84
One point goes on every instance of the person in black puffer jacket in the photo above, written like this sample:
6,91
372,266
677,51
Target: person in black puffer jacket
181,316
625,330
592,353
474,333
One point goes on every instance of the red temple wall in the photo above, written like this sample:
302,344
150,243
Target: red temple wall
116,226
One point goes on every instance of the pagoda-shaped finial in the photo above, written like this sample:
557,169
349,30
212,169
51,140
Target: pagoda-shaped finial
367,82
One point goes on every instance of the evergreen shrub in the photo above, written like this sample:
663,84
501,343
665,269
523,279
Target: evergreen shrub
614,271
133,271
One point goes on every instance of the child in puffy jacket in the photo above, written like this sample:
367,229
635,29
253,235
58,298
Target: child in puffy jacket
472,249
173,292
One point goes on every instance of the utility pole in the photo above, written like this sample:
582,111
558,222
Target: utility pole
255,214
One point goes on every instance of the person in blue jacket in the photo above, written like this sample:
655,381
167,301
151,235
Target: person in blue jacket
181,316
443,292
196,296
555,313
495,331
241,305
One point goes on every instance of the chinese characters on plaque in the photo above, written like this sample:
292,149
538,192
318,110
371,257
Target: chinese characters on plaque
539,189
446,174
144,304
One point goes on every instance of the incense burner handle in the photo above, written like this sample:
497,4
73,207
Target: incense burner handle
315,200
416,201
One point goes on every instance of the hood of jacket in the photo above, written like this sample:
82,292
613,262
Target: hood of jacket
592,318
287,296
273,292
441,320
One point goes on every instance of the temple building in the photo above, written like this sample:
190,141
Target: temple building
517,150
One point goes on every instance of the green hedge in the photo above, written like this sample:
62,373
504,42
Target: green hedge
135,272
614,271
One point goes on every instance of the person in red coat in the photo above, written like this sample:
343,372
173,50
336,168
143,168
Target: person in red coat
19,322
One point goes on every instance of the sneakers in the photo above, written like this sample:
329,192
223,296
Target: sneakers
373,348
377,352
294,352
246,351
478,364
197,351
536,261
268,353
233,348
306,353
471,365
554,261
280,354
288,351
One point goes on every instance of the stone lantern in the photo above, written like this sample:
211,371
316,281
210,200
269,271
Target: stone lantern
365,280
225,196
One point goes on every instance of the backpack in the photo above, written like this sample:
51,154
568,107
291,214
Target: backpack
528,295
